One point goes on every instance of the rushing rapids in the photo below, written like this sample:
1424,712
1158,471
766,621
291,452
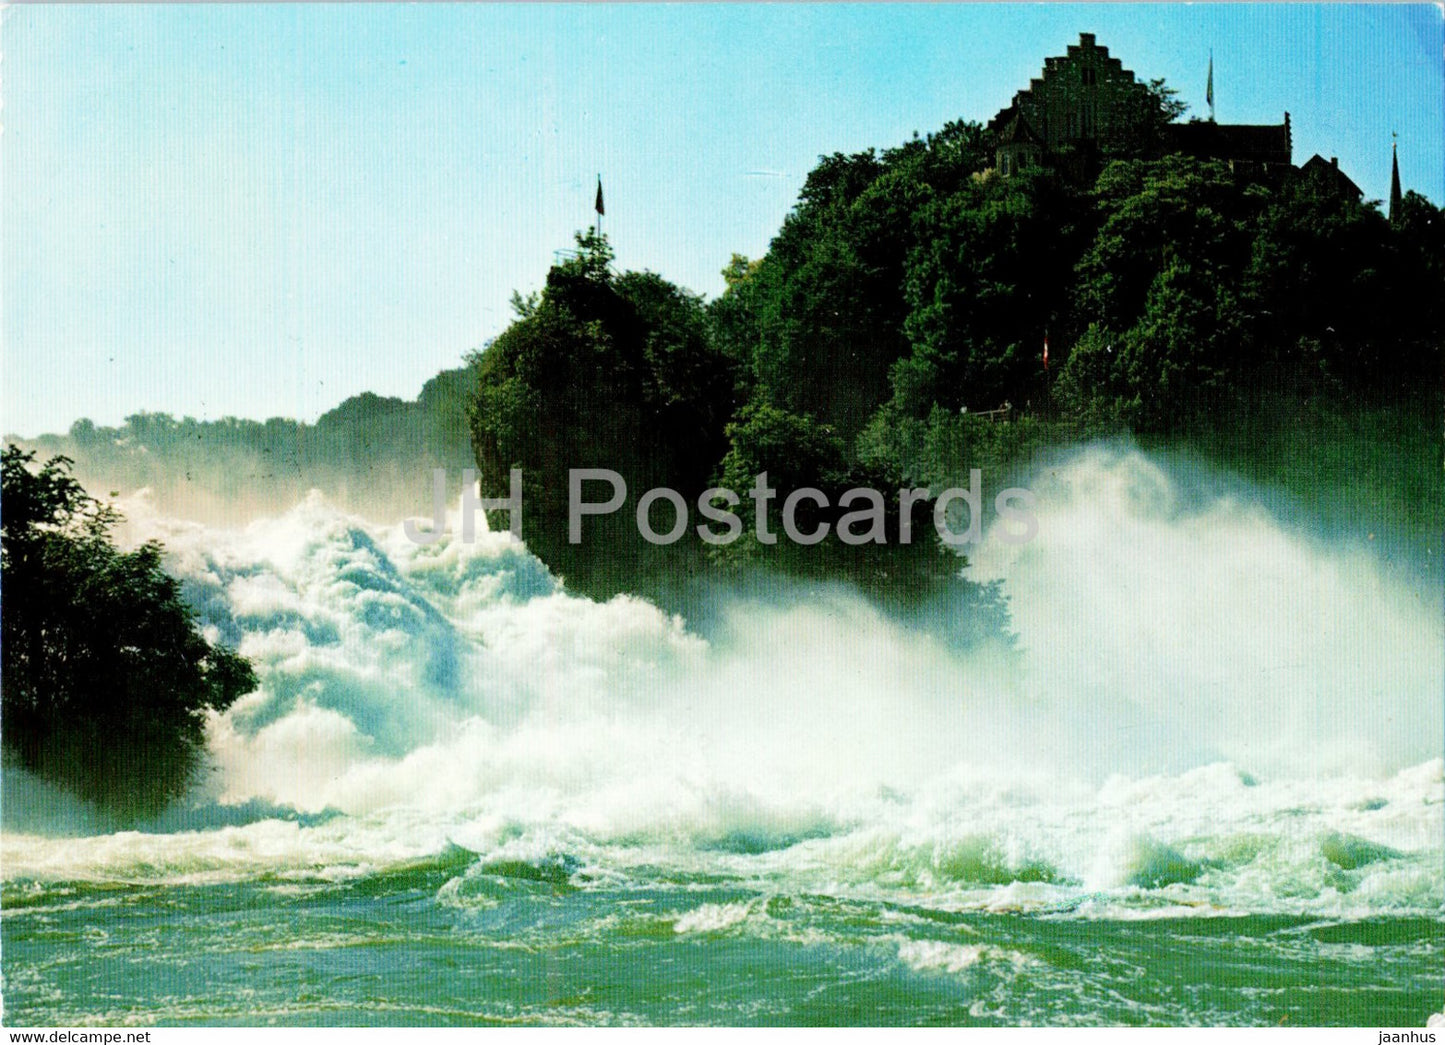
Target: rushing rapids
1217,743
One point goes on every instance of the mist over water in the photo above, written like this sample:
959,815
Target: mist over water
1187,624
1210,707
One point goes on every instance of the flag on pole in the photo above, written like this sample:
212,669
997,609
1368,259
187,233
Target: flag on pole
1209,87
599,207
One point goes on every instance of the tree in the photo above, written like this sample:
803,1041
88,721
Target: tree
826,307
1166,100
984,286
797,452
603,371
1321,270
1169,328
1139,124
107,682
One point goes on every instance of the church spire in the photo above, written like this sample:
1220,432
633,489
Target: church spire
1395,197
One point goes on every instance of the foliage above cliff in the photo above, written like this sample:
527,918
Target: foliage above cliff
608,371
912,290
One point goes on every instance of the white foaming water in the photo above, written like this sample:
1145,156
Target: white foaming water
934,955
1186,625
1211,710
714,917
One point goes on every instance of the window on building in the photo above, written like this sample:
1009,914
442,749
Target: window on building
1091,77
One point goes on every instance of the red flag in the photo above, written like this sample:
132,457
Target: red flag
1046,351
600,209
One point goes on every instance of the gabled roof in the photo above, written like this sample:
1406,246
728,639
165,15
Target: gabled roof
1016,130
1328,172
1087,50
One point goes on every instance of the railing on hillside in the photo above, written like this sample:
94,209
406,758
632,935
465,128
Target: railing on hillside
1000,414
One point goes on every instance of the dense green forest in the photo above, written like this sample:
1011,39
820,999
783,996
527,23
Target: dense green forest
893,336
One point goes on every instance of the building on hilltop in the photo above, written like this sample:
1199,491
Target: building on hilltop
1085,98
1086,104
1017,146
1258,150
1328,177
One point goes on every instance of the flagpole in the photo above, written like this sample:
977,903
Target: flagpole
1209,88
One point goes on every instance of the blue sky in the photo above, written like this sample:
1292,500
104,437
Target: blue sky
260,210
